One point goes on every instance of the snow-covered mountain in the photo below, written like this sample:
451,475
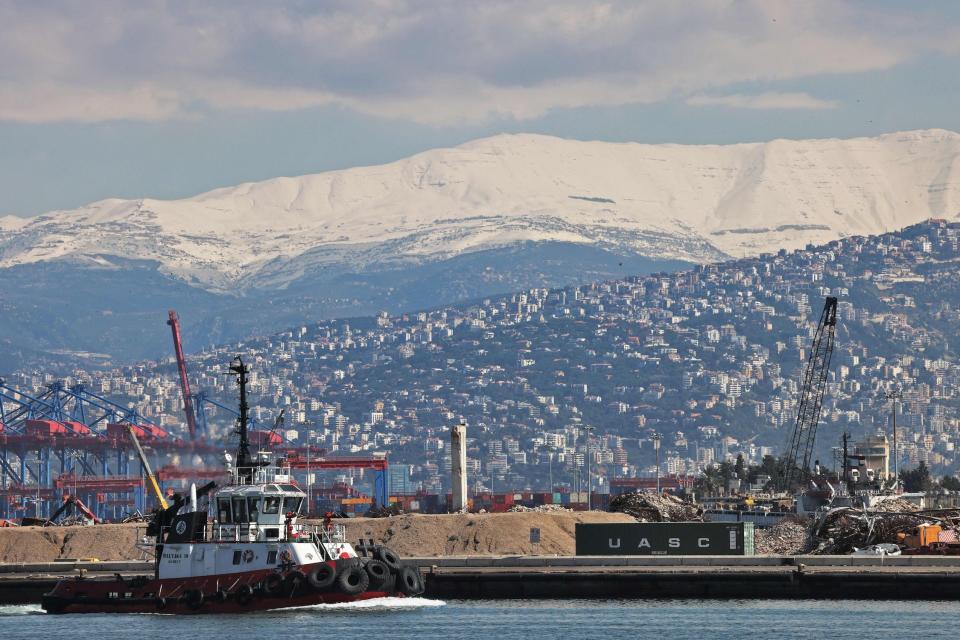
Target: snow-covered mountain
491,216
681,202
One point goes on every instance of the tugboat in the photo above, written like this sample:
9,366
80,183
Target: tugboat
253,556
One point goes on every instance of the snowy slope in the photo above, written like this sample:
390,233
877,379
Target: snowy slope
692,203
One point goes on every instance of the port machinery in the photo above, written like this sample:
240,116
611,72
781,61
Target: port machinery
68,442
796,462
71,441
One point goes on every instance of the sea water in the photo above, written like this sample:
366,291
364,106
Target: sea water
418,618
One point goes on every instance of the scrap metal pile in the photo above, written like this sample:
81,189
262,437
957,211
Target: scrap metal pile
844,529
543,508
652,507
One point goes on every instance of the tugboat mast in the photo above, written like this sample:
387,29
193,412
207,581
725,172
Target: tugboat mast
245,462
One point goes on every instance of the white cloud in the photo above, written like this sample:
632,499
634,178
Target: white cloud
439,63
768,100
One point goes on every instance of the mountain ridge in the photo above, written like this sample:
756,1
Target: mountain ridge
695,203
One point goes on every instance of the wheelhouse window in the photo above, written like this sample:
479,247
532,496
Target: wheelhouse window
240,509
271,505
223,511
253,508
291,504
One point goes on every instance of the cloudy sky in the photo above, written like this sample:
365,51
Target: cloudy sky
167,99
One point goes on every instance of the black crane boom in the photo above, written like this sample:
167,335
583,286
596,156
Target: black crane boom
800,447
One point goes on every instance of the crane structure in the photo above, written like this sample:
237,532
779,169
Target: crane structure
174,322
378,465
800,446
70,438
145,466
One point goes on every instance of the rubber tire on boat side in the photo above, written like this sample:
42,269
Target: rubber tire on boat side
272,584
409,582
322,577
353,581
161,603
245,594
388,557
379,573
294,580
193,598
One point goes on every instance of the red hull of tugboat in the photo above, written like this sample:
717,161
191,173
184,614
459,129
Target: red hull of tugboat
234,593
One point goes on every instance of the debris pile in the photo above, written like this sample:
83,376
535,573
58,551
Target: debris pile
652,507
790,536
891,505
384,512
844,529
543,508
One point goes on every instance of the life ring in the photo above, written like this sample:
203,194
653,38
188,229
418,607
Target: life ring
388,557
245,594
272,584
285,556
248,556
379,573
353,581
409,582
193,598
322,576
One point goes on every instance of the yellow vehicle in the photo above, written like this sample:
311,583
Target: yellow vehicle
929,538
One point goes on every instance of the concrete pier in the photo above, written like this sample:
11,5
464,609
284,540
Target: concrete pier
818,577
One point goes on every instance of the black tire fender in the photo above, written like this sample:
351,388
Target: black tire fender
353,581
409,582
294,580
272,584
193,598
388,557
161,603
221,595
322,576
379,573
245,594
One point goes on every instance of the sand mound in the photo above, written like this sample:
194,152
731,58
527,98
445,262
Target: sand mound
46,544
408,535
477,534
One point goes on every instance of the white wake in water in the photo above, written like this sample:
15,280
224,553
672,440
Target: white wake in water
374,604
20,610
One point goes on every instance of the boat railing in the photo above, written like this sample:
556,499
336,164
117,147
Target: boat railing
261,475
253,532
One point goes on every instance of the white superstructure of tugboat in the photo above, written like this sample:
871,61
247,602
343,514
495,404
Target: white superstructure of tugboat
253,555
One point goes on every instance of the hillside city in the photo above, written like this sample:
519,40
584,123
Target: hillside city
707,360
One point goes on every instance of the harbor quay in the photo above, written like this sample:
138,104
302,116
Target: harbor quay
511,577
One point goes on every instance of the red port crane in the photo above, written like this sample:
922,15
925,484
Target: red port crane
174,323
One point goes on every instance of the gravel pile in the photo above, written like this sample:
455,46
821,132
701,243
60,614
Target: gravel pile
786,538
543,508
652,507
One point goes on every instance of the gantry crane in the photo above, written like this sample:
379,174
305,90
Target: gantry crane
800,447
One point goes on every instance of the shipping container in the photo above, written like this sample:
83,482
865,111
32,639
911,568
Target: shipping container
665,539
